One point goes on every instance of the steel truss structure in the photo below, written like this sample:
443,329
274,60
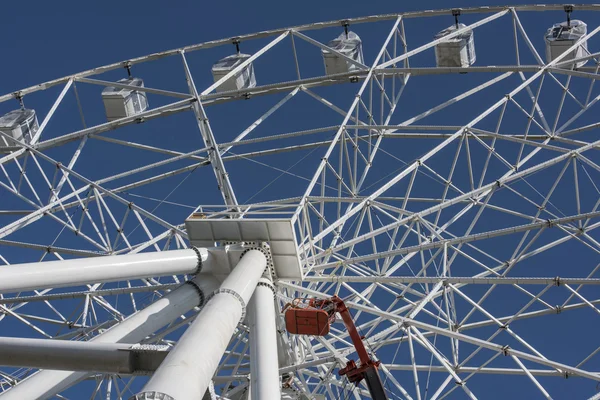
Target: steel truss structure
463,237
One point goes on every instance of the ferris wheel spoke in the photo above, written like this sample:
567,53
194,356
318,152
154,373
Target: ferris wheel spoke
209,138
445,38
348,115
506,322
423,341
504,327
145,147
130,205
342,220
415,325
446,222
412,250
480,191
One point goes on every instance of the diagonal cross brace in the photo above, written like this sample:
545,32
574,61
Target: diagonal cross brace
209,141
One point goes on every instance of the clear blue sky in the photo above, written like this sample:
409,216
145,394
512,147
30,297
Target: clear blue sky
50,39
47,40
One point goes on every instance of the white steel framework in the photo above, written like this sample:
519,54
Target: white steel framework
454,209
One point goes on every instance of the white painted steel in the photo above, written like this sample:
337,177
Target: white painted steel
71,355
264,368
425,243
188,369
208,136
458,279
54,274
47,383
310,26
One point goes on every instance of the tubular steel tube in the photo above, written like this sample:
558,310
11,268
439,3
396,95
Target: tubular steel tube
188,369
81,271
264,368
47,383
72,355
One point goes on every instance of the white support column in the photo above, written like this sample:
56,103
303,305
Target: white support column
72,355
81,271
264,363
188,369
47,383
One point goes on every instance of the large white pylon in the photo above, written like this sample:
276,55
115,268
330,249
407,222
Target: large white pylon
47,383
264,369
72,355
55,274
188,369
452,207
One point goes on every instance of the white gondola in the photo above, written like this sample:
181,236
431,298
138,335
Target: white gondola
349,45
122,102
243,79
21,125
458,51
563,35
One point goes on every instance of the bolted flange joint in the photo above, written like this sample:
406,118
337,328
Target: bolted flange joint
235,294
199,264
266,250
557,281
265,282
200,292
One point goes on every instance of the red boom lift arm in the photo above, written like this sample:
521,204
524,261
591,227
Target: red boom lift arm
315,319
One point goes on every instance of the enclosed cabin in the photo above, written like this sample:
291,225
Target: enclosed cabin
348,44
124,102
242,79
560,37
21,125
458,51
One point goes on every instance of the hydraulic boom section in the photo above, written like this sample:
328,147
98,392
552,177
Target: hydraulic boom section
313,317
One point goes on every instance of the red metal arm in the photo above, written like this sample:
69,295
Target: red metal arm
315,320
341,308
368,367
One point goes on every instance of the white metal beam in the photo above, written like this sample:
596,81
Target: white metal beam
188,369
72,355
47,383
54,274
264,368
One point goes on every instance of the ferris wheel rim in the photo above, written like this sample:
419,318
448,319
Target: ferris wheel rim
315,284
314,25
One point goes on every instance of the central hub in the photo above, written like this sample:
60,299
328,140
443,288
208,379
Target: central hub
204,231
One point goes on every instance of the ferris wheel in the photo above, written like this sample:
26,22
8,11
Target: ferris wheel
399,206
